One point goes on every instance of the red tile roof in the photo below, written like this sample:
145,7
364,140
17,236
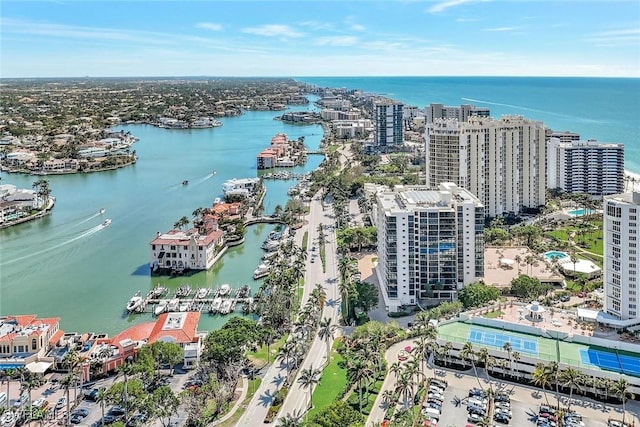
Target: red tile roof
183,334
138,332
56,337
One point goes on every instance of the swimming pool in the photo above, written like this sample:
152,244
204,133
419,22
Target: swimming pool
551,255
580,212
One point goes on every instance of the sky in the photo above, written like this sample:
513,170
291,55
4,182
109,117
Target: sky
300,38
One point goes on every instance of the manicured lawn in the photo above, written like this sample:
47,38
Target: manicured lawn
493,314
332,384
259,357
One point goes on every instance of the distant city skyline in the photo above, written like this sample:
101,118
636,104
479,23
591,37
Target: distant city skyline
320,38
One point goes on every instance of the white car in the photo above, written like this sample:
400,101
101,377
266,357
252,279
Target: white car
38,403
504,411
435,395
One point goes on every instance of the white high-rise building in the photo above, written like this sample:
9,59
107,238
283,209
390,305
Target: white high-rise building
388,127
430,242
585,167
501,161
621,263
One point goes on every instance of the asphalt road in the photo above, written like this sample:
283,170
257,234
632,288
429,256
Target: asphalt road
276,373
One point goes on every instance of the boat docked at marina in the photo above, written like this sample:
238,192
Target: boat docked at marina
184,306
183,291
271,245
225,308
158,291
202,293
261,271
134,302
215,305
161,307
268,256
224,289
173,304
244,292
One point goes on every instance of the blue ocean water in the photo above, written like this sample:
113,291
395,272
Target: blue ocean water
606,109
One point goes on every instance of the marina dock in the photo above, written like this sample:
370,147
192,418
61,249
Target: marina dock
213,301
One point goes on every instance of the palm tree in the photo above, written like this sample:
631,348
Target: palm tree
404,387
447,350
4,374
101,397
516,359
286,352
67,382
358,371
325,333
621,390
320,294
507,347
395,369
291,420
553,371
181,223
570,377
308,378
541,377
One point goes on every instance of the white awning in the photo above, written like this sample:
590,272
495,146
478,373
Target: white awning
38,367
507,261
584,313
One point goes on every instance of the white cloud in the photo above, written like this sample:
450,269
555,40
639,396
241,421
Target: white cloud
336,41
502,29
444,5
273,30
209,26
316,25
466,20
616,38
358,27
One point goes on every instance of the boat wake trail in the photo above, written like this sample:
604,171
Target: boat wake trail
519,107
82,235
199,181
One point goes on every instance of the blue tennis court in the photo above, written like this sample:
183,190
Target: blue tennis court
496,339
611,361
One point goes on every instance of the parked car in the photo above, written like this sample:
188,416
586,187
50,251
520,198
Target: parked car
3,397
20,400
81,412
501,418
116,410
61,403
564,298
38,402
474,418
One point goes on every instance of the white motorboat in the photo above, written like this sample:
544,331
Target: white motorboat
158,291
106,222
173,304
224,289
268,255
161,307
202,293
261,271
226,306
101,211
271,245
134,302
184,306
215,305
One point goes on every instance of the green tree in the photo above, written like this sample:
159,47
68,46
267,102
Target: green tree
621,390
477,294
308,378
162,404
338,413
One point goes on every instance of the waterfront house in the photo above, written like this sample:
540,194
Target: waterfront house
183,250
25,341
243,186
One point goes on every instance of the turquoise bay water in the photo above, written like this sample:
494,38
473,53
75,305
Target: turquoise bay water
606,109
68,265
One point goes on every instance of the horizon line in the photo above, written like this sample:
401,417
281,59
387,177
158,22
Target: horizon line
191,76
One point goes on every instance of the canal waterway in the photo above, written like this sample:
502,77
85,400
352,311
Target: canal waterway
70,266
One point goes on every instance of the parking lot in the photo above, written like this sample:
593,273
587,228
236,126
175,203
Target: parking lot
52,392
